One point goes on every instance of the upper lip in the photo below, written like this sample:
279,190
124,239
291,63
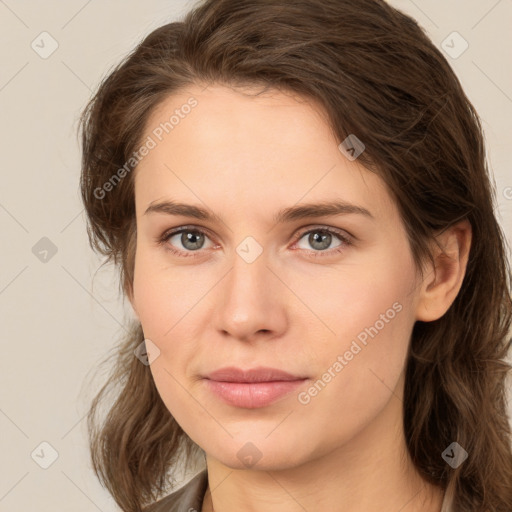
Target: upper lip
259,374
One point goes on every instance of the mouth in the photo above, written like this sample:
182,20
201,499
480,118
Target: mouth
253,388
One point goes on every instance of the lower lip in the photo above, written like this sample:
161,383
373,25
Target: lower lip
254,394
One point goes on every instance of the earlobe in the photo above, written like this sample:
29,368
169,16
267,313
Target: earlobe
443,282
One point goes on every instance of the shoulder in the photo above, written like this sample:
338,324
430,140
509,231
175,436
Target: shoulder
188,498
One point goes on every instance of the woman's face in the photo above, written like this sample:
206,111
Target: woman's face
329,298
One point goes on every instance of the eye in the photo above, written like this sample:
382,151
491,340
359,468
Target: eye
321,238
190,239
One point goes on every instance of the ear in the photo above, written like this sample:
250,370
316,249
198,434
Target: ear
443,282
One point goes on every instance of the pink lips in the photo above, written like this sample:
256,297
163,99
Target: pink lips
252,388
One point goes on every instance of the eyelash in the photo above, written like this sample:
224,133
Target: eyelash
163,241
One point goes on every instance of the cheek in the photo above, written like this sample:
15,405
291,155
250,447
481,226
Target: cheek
372,315
163,304
167,306
361,301
160,294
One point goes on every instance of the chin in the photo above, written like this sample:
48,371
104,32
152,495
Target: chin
262,455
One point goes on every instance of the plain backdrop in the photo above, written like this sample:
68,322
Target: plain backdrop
59,315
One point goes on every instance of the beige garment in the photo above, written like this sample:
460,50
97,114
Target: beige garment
188,498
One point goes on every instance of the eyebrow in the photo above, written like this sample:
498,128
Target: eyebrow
289,214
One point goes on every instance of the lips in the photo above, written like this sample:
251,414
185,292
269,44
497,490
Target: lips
253,388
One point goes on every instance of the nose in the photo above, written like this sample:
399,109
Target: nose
250,301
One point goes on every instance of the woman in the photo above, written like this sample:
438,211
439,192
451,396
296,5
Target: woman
297,197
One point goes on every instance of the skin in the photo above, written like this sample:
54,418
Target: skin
245,157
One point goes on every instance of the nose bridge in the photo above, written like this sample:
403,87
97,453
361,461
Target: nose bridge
248,301
247,282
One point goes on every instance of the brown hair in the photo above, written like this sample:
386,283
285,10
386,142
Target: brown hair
377,75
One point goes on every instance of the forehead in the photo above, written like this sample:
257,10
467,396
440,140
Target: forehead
248,116
238,146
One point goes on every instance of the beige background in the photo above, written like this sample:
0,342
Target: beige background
55,325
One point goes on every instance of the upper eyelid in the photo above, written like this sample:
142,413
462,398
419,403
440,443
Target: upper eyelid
319,227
